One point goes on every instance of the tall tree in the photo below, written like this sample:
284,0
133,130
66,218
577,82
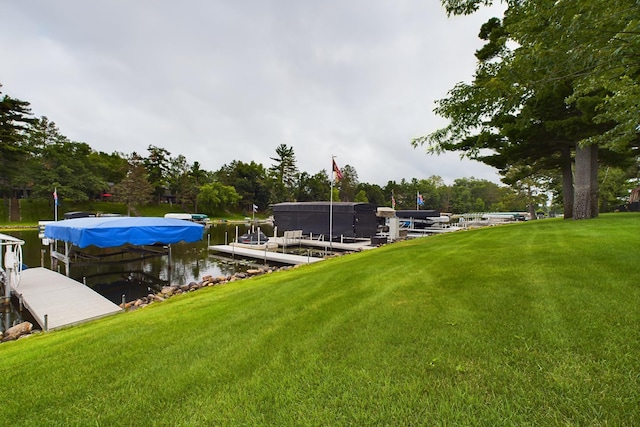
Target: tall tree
373,193
284,173
313,188
179,179
348,184
555,44
134,190
157,164
57,162
15,117
249,180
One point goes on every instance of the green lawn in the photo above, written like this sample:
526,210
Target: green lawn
528,324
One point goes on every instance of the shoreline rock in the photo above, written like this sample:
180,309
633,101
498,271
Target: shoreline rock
25,329
207,281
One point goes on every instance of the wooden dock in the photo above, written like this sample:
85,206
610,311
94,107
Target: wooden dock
326,245
55,300
264,255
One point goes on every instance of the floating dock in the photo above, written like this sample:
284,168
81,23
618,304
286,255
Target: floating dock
356,246
55,300
242,251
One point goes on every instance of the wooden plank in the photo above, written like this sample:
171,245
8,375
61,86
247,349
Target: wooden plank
262,254
65,301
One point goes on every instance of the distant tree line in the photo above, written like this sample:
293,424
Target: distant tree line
36,158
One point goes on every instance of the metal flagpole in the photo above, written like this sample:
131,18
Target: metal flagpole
331,206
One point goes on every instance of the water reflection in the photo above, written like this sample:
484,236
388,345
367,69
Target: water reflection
137,276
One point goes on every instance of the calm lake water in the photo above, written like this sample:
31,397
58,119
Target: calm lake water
134,278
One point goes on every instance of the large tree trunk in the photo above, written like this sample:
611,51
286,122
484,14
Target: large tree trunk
532,205
567,183
585,203
595,187
14,210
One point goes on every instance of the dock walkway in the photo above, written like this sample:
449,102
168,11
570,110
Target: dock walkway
60,300
264,255
355,246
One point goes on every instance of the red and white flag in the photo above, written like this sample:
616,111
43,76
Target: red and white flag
337,172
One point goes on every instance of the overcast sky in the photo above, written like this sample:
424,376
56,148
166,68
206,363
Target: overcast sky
218,81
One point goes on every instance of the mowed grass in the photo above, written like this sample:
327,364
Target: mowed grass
527,324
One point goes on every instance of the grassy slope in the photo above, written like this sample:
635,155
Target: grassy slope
534,323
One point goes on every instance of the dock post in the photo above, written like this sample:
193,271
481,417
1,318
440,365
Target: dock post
66,258
10,265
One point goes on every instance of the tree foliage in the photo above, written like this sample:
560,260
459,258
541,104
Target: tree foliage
134,190
554,79
249,180
283,173
15,118
158,164
216,198
312,188
544,94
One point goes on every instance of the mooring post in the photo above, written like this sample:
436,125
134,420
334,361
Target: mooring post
233,254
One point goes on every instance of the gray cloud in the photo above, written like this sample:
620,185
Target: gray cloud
220,81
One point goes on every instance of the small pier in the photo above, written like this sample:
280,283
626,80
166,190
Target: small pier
356,246
56,300
243,251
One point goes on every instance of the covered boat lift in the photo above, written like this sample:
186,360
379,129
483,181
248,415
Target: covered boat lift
352,220
108,232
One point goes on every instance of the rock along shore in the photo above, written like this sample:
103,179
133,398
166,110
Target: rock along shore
25,329
207,281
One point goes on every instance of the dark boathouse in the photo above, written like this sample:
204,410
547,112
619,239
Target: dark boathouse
354,220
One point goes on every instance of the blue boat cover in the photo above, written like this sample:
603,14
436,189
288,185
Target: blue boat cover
106,232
